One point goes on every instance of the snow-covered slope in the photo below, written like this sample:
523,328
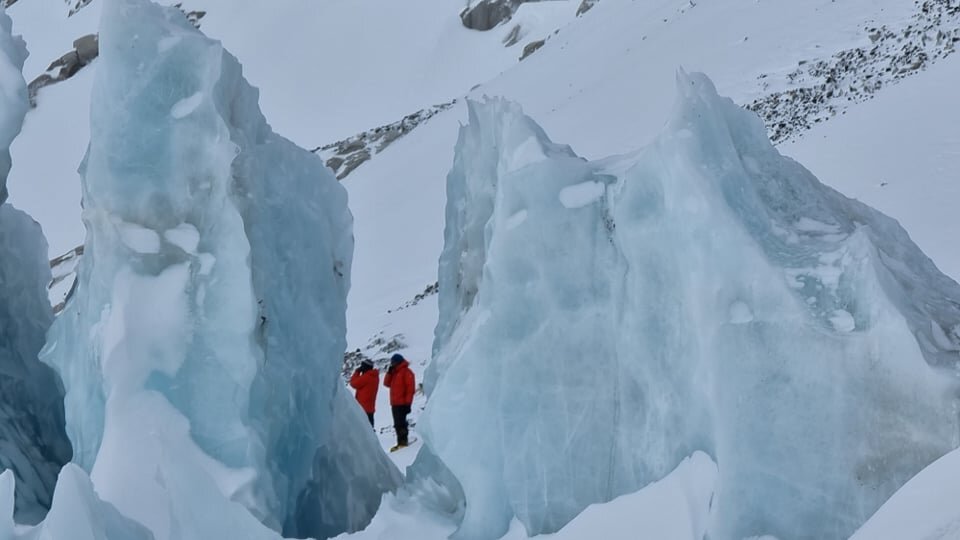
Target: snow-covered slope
900,153
340,68
603,84
925,508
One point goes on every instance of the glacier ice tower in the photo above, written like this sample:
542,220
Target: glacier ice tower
602,320
201,351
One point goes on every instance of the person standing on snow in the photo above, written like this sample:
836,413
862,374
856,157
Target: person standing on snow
366,381
402,384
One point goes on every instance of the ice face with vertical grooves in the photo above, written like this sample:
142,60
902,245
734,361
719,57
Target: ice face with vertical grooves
600,321
201,352
33,444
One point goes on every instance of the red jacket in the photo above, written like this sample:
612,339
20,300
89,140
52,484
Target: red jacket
367,384
402,384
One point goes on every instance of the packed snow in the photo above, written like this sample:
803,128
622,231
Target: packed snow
925,508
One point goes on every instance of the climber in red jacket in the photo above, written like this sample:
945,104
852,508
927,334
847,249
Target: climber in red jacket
366,380
402,384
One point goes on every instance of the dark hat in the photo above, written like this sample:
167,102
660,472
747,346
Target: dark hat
397,358
367,364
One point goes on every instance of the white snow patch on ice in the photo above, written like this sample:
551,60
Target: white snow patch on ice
809,225
582,194
185,236
157,324
186,106
207,260
527,152
138,238
842,321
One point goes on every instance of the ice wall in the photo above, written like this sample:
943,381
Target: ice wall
13,97
33,444
202,349
77,513
602,320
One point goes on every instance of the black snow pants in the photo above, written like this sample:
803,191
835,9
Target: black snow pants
400,413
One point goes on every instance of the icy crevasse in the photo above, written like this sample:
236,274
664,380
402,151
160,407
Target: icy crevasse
602,320
202,349
33,444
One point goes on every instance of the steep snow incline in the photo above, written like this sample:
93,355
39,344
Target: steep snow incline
925,508
603,85
381,61
900,153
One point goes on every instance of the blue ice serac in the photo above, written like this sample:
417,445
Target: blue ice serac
33,445
602,320
201,352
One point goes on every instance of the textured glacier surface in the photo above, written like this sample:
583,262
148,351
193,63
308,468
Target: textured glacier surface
77,513
201,351
33,444
13,94
602,320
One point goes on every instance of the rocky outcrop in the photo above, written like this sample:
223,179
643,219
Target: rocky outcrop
819,89
487,14
532,47
64,274
77,5
85,50
585,6
193,16
346,155
513,36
